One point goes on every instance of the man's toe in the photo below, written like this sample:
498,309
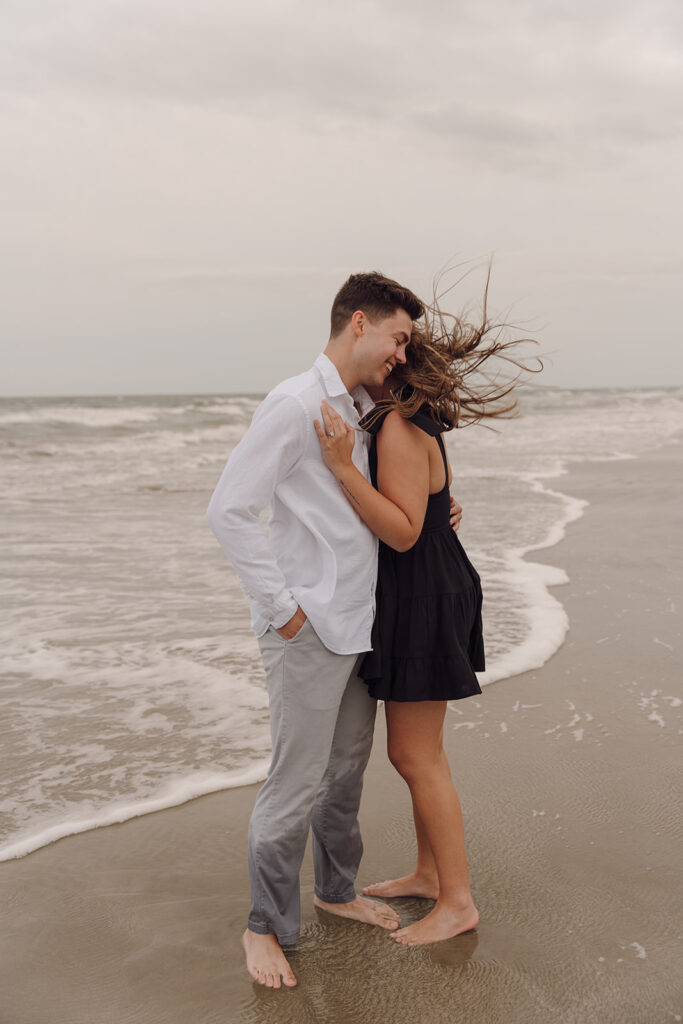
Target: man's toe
390,914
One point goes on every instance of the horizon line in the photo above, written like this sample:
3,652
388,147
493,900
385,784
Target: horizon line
256,394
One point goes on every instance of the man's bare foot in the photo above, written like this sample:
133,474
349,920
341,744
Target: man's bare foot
439,924
265,960
363,909
409,885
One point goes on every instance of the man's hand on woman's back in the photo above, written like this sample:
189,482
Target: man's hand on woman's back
455,514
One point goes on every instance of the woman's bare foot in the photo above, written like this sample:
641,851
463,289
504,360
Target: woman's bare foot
439,924
363,909
409,885
266,962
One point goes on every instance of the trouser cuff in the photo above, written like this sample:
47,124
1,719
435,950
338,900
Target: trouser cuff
265,929
335,897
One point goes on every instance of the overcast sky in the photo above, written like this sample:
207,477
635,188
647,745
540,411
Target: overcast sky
184,186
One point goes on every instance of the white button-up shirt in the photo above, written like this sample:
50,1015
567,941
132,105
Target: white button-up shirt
317,553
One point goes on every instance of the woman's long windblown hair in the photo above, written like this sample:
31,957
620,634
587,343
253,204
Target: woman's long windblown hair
462,372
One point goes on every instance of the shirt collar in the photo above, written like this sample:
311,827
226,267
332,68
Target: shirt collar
334,385
362,398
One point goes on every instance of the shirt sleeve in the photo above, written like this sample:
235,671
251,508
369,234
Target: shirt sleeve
268,451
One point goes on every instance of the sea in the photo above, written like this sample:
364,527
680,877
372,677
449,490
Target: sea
130,680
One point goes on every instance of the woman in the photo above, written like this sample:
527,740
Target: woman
427,637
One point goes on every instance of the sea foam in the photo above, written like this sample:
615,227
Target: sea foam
130,678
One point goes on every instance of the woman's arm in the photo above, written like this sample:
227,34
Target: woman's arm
397,513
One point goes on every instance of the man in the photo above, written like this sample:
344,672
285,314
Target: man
311,581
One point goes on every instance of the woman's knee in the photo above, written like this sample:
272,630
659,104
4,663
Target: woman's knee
397,757
412,763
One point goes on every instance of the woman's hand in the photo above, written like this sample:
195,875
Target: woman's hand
455,515
336,438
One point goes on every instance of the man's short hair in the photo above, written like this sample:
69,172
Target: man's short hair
378,296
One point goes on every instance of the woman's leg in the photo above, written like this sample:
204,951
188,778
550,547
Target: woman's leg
424,880
426,865
415,741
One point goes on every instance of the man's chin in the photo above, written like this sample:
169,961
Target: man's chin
381,390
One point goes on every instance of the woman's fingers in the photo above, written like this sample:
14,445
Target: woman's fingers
332,419
337,438
325,413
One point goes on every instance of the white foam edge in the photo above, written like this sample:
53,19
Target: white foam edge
172,794
547,619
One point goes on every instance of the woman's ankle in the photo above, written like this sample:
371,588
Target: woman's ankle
427,875
456,902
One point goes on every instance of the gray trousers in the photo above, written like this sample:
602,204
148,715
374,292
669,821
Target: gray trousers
321,722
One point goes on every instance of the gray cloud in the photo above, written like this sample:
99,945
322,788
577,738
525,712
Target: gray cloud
522,80
200,179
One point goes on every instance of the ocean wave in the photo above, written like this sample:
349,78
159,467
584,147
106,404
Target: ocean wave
128,557
172,794
547,622
82,416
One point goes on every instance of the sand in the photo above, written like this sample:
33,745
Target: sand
569,778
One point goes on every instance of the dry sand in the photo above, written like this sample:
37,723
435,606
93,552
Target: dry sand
570,784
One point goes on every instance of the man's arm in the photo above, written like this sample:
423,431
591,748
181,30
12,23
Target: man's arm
265,455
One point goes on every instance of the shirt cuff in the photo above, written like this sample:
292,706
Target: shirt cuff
281,610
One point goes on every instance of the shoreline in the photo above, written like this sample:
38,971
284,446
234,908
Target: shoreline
565,774
532,576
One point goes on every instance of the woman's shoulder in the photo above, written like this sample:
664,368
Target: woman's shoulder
396,433
423,419
374,421
394,423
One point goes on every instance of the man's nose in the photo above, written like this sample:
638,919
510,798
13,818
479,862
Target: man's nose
401,355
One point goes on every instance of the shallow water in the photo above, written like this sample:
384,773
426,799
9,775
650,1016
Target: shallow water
130,678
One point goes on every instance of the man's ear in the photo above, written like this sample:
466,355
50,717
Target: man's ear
358,322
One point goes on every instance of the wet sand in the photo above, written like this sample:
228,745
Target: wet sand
569,779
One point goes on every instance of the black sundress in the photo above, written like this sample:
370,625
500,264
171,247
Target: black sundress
427,637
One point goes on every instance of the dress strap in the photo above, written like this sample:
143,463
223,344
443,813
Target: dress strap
375,428
442,446
421,419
